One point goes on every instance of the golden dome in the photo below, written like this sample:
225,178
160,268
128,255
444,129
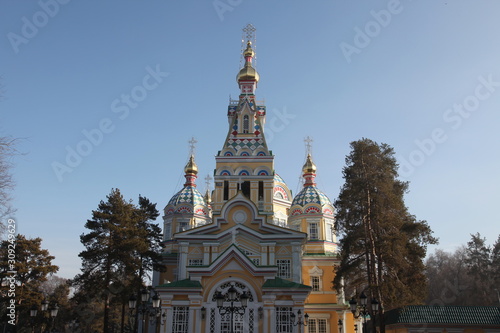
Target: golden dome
191,166
248,72
309,166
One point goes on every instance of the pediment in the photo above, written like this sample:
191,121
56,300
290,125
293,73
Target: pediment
232,260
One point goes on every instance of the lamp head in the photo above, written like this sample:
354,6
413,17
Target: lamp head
363,299
244,299
353,304
375,305
232,293
132,302
144,295
156,301
220,299
33,311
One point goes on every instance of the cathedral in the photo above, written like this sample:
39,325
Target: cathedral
249,256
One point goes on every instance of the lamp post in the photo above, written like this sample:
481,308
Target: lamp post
232,296
340,323
299,322
152,311
363,310
53,314
33,313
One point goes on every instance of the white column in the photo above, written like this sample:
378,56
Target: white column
215,252
206,254
296,262
270,248
181,270
263,255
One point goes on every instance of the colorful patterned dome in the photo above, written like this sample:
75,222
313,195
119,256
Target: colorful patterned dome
188,195
189,199
281,190
311,195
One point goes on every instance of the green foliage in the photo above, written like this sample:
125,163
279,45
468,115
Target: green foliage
469,276
122,246
32,266
382,244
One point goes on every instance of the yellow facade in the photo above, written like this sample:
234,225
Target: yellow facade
250,235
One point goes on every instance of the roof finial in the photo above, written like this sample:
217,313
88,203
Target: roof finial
192,146
208,180
248,38
249,31
308,141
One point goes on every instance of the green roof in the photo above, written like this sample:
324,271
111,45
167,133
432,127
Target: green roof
455,315
281,283
187,283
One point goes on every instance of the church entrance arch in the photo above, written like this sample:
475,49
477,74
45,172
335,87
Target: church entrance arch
242,323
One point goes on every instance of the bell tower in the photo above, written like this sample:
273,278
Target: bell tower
245,163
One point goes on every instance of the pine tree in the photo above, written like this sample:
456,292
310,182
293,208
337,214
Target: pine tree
479,261
382,244
31,267
122,244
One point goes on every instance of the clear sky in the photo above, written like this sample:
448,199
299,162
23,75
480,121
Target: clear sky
422,76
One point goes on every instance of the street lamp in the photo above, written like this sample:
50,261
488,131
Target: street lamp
299,322
53,313
45,305
33,313
153,311
364,311
232,296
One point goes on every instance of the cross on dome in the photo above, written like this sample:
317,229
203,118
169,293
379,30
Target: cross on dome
192,146
308,141
249,30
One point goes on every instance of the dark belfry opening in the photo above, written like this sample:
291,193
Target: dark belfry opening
261,190
226,190
245,188
245,123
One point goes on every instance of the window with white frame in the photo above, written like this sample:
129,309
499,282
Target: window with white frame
329,230
315,278
180,319
284,319
313,231
167,232
284,268
182,226
195,262
316,283
317,325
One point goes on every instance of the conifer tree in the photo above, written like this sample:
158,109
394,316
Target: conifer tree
382,245
31,267
122,244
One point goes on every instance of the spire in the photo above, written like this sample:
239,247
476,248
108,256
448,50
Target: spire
191,169
248,77
208,196
309,168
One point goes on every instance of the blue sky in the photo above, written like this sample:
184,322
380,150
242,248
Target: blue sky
421,76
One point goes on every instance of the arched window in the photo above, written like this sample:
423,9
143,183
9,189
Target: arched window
246,123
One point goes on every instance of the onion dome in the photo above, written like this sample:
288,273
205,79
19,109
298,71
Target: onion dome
310,200
191,166
248,73
189,199
281,190
311,194
309,166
